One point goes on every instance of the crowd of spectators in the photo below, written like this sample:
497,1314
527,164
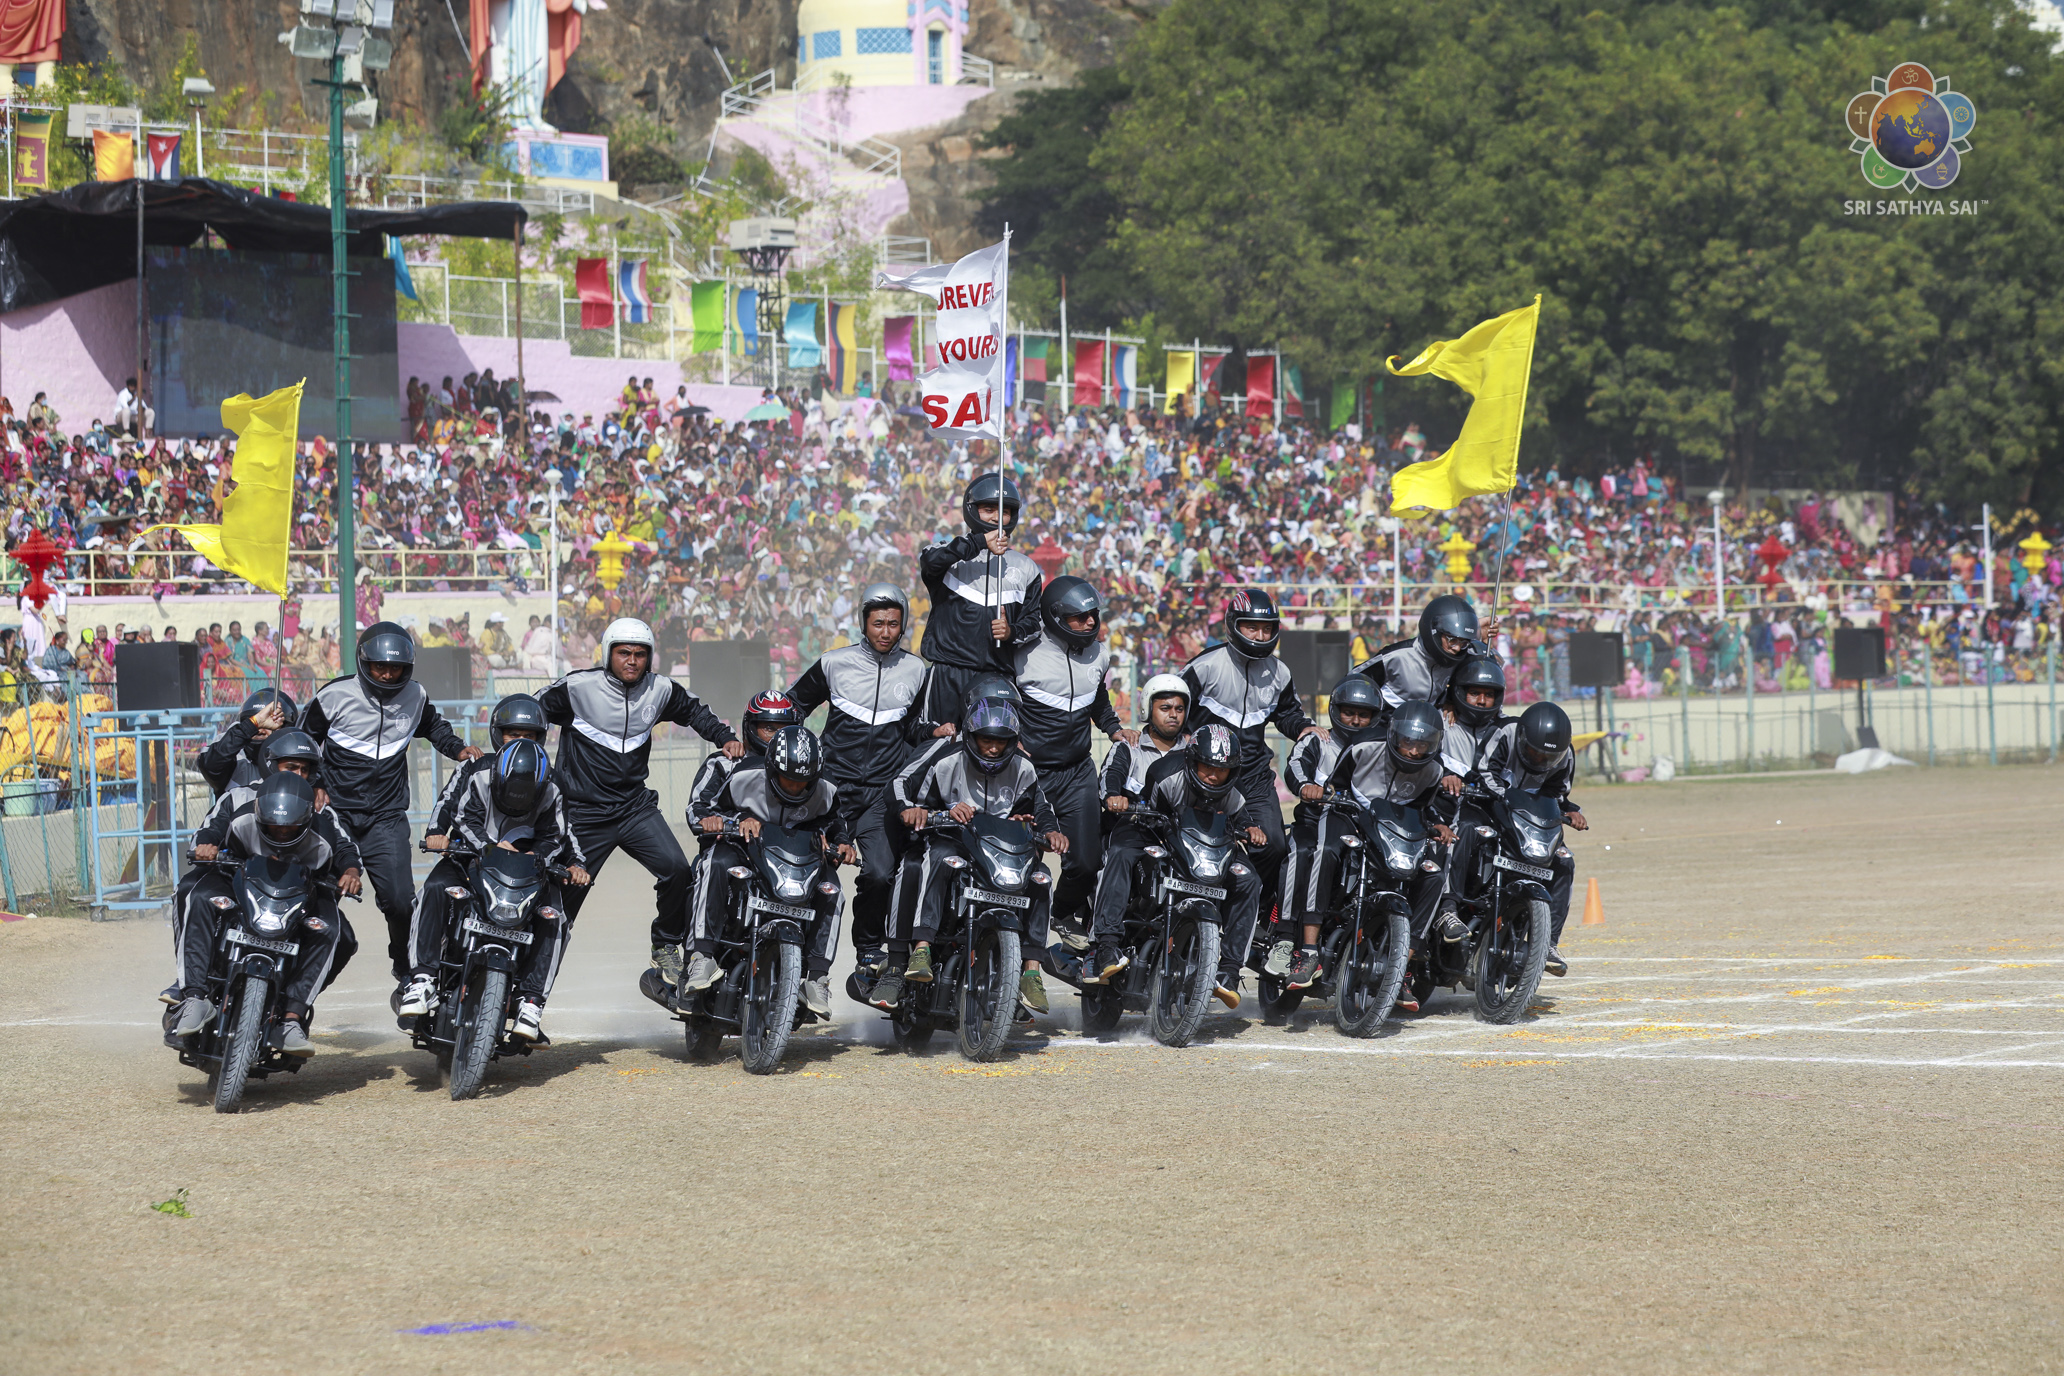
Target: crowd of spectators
767,530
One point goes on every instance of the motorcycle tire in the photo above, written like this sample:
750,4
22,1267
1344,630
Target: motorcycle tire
1102,1006
1372,971
909,1028
989,995
1509,959
1184,975
768,1014
240,1049
478,1034
1277,1003
705,1042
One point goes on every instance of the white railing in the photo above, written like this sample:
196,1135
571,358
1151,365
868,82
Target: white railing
410,190
976,71
748,98
902,248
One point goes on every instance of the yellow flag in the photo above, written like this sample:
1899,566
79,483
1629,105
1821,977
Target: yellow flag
114,156
1491,363
258,516
1182,377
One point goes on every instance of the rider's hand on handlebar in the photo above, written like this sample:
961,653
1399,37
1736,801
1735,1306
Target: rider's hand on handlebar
847,855
1311,793
712,824
204,851
1256,836
1117,802
577,877
748,827
962,813
348,883
436,843
914,818
1442,833
1576,821
1451,785
1057,843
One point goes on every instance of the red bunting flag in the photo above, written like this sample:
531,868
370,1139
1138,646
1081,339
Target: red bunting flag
1261,387
597,301
1089,373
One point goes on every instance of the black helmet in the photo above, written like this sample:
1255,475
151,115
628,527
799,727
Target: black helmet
265,697
1544,735
1446,615
1353,691
284,805
291,744
998,686
520,771
990,719
1252,604
1071,596
1213,744
1415,732
768,708
383,642
516,712
794,756
1477,671
982,492
877,597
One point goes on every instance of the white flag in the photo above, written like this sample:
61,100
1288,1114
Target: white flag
960,396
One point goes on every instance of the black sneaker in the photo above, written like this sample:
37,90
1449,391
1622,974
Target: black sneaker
1304,970
1450,928
1555,964
887,991
1103,963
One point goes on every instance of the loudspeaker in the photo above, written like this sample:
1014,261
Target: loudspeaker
1597,659
724,673
446,671
1316,659
1859,652
160,676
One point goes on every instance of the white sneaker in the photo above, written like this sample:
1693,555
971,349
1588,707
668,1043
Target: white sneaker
419,998
530,1020
703,971
1278,962
817,997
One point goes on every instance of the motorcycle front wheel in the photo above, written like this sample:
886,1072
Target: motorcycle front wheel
1277,1002
478,1033
1102,1006
989,995
768,1015
240,1049
1509,957
1372,970
1184,971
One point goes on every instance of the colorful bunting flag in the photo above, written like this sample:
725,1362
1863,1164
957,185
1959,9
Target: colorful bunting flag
597,302
164,156
844,361
114,157
706,309
32,151
636,291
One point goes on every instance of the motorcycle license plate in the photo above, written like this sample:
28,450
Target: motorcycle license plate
1001,900
474,924
1530,871
1185,886
244,938
784,910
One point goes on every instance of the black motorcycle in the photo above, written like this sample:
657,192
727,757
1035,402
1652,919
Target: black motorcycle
261,918
759,949
976,956
1173,928
1365,940
493,916
1503,900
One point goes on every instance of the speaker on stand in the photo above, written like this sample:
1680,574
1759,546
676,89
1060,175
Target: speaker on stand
1598,660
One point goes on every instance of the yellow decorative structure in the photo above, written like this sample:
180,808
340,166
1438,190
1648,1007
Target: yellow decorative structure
609,553
1458,551
2032,551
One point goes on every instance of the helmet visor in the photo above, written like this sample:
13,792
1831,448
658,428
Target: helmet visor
1538,757
1411,748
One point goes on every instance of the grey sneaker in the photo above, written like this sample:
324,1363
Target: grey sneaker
1278,962
817,997
667,960
919,971
294,1040
194,1014
703,971
887,991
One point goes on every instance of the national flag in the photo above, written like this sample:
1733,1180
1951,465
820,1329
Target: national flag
746,322
706,310
1036,353
1182,377
1213,372
636,291
114,156
1492,362
597,302
896,347
1010,371
1125,374
800,331
961,395
1341,412
843,362
164,156
258,512
403,283
1293,392
1089,373
1261,386
32,151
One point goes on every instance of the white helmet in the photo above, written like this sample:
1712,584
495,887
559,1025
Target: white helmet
626,630
1161,685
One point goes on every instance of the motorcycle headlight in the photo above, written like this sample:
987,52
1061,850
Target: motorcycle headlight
787,886
1534,847
1399,858
506,907
271,916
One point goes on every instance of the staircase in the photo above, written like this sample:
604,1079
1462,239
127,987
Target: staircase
855,184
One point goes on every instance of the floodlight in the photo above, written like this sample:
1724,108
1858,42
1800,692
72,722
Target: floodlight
361,114
319,9
350,39
197,89
312,41
378,52
383,14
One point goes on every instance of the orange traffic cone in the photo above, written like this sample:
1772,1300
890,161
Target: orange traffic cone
1594,909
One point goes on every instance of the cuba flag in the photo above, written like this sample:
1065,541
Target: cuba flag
637,295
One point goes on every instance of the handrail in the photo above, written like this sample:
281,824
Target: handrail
748,98
1376,596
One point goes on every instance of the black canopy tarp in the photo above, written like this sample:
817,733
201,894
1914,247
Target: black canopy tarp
85,236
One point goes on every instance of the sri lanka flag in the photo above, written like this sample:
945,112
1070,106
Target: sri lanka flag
637,296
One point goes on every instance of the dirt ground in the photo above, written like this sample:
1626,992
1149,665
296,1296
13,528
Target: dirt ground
1797,1107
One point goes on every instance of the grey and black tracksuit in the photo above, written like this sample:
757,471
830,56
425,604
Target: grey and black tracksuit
1366,772
605,753
1404,672
873,723
1126,766
1246,695
748,792
968,585
365,738
937,780
1165,788
195,926
321,850
1503,770
466,813
234,758
1065,693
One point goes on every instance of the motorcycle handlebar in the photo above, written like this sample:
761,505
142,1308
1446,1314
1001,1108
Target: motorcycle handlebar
943,821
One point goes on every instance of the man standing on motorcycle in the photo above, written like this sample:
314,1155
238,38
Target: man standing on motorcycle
1242,685
1418,670
873,723
515,805
785,788
1532,755
364,723
979,770
605,755
1061,678
985,600
1198,775
237,756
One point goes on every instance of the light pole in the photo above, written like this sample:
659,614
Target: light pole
197,89
1716,496
555,478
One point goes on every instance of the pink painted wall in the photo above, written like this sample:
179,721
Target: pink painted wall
78,349
584,386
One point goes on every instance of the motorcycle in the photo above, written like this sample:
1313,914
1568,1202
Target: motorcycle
494,912
266,907
1173,928
1365,941
1503,900
976,956
759,949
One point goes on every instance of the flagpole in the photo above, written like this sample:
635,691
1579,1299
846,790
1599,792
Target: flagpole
996,390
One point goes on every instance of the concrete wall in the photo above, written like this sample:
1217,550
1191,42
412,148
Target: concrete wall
78,350
584,386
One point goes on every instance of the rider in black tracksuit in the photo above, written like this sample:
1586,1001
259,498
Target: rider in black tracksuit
985,600
1530,753
1418,670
